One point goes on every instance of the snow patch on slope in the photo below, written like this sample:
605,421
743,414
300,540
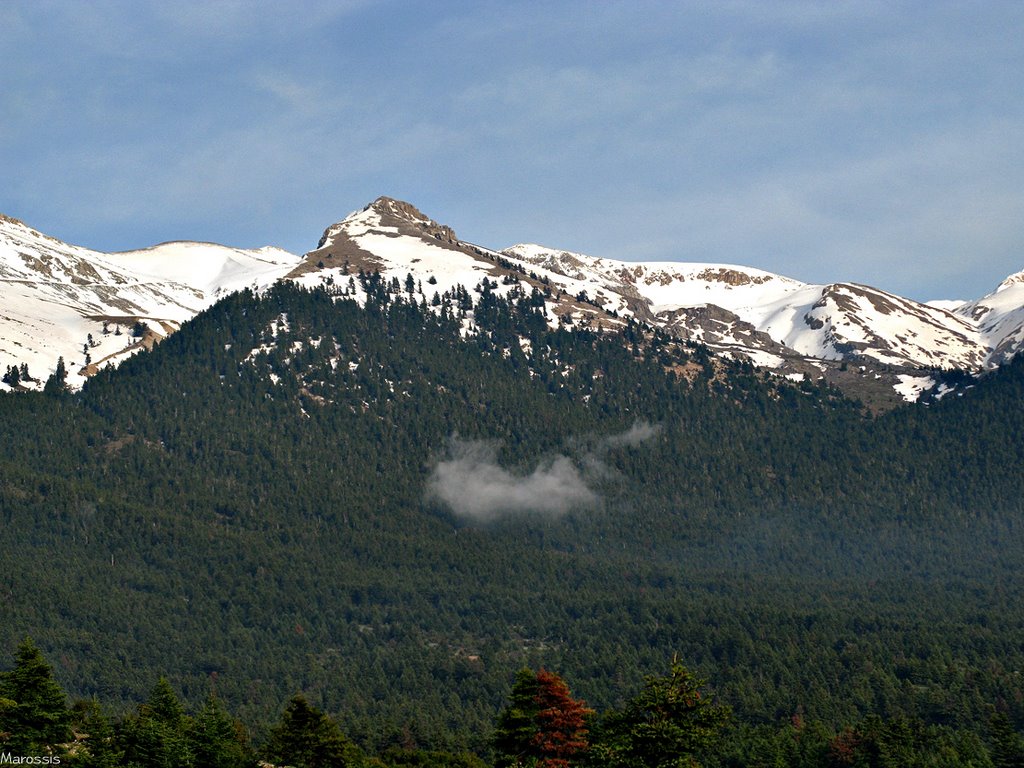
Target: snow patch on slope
910,388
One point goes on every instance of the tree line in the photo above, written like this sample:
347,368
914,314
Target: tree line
673,721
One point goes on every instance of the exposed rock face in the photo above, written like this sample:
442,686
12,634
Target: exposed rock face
731,277
398,213
339,243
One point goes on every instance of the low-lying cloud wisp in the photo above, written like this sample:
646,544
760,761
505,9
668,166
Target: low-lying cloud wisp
471,482
639,433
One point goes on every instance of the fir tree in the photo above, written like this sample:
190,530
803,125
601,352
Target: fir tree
670,724
57,381
217,740
1007,744
307,738
158,735
34,715
101,748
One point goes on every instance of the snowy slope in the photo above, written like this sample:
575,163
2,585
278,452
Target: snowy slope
60,300
211,269
397,240
775,321
999,317
664,284
776,314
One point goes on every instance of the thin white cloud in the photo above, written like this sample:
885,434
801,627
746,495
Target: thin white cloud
300,97
474,486
252,19
638,434
470,481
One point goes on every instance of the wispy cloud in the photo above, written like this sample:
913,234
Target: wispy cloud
638,434
474,486
471,482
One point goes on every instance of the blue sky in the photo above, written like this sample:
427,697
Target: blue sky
875,142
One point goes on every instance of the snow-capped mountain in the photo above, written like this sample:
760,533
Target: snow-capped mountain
999,317
59,300
770,318
395,239
859,337
63,300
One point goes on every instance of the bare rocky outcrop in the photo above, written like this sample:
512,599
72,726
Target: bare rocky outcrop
732,277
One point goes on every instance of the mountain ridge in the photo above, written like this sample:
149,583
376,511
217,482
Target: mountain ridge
59,299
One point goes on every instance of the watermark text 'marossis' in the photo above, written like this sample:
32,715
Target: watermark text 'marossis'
6,758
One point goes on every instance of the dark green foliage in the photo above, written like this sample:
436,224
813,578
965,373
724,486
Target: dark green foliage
98,743
668,723
56,382
671,723
34,717
218,740
399,757
160,734
516,727
872,743
272,533
157,736
307,738
1007,744
12,376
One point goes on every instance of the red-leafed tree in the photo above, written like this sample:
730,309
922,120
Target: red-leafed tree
543,725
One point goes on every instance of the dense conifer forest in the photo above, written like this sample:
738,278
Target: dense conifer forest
255,511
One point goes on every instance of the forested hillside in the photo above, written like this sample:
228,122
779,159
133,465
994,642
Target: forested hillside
295,493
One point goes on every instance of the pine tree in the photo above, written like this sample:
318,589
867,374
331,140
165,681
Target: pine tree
217,740
307,738
34,715
670,724
57,382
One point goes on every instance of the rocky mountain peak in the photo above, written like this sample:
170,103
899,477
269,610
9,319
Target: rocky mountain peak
398,212
387,212
389,206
